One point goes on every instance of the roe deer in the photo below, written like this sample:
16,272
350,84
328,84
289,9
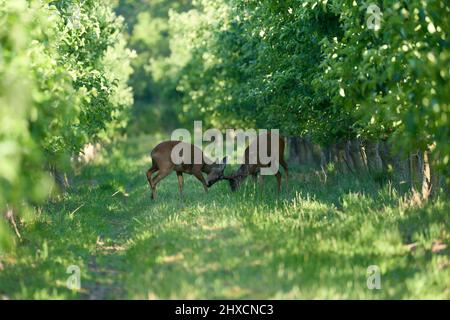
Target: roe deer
251,168
163,164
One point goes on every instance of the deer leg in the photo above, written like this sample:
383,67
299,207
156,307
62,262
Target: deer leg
161,175
278,176
180,183
150,171
149,175
261,182
286,172
199,176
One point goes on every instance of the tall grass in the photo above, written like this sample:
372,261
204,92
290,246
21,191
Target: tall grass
316,240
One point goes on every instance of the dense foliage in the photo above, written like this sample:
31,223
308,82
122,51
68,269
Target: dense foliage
155,92
357,86
64,68
318,68
314,242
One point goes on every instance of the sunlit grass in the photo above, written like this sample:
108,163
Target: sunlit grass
314,241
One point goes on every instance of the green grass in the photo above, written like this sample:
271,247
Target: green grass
316,241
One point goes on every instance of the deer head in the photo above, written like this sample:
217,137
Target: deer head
216,172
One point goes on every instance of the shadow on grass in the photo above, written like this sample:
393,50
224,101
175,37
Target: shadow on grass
314,241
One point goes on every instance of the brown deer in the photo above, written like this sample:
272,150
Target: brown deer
163,164
247,168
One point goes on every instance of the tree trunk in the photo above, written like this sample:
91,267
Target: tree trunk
374,162
60,179
308,151
318,156
355,153
401,168
420,167
341,153
326,153
348,157
426,176
435,176
386,156
302,153
413,170
338,157
294,150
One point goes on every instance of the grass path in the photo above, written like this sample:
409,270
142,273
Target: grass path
316,241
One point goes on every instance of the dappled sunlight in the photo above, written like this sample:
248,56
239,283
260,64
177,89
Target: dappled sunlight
315,241
102,104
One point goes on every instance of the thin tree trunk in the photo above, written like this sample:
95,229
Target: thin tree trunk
9,215
60,178
326,151
426,176
435,176
413,171
401,168
318,155
308,152
374,161
302,151
348,157
355,153
385,153
294,150
363,153
338,151
420,168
